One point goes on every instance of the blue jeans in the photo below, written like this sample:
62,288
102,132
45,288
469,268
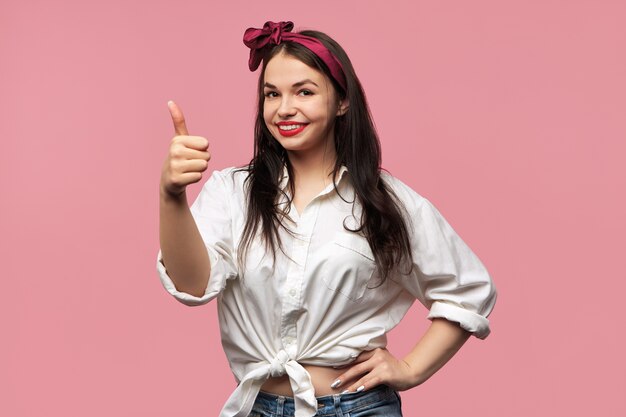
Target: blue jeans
380,401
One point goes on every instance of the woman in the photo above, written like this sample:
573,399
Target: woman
313,252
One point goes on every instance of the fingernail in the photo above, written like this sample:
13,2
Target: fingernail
361,388
335,384
169,103
345,392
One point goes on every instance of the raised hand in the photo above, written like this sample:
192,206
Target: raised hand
187,159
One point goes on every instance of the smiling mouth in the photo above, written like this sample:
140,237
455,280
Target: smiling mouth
292,129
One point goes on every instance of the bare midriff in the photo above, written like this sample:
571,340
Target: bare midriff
321,377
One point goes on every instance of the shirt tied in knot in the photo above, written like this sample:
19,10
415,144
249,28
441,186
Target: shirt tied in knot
277,364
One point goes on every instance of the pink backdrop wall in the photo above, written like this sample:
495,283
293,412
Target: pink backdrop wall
509,116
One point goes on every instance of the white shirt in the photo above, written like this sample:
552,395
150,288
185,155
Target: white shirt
317,308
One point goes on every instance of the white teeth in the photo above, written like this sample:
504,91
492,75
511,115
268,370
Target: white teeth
289,127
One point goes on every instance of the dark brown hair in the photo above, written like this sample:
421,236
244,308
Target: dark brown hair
357,147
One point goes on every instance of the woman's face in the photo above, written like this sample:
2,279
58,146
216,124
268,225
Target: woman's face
300,105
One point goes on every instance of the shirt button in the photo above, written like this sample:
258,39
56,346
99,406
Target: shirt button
292,292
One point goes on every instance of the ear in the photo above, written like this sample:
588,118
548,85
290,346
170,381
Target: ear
343,107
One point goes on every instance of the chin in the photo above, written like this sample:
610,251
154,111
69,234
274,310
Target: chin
292,146
287,142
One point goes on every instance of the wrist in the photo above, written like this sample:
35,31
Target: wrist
169,197
417,374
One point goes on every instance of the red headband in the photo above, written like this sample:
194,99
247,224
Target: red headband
260,40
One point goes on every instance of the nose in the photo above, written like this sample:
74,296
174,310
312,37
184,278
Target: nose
286,108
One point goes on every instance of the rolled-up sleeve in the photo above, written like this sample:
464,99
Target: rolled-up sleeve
213,216
448,278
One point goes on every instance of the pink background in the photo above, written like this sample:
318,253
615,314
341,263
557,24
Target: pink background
509,116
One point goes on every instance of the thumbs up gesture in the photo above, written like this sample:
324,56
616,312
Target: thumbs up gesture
187,159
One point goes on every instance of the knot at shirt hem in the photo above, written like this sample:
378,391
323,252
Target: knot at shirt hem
241,401
277,364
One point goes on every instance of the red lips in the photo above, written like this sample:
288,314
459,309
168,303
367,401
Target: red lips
292,132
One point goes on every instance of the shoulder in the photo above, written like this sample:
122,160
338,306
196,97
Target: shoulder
411,199
233,177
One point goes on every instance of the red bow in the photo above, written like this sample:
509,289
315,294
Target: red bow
259,39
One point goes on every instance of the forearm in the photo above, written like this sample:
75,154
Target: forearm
440,343
182,247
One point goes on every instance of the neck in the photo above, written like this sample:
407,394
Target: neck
313,165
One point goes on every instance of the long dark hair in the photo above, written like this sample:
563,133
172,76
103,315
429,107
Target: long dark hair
357,147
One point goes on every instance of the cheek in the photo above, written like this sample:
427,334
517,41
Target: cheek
315,111
321,116
267,114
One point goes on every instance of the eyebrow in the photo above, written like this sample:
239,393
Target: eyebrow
298,84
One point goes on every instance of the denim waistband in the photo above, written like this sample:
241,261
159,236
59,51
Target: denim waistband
327,404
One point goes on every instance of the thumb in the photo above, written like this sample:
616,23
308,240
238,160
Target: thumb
177,118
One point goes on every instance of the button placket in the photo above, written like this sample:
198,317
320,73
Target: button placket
291,300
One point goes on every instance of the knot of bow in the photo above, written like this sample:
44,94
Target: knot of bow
277,364
259,39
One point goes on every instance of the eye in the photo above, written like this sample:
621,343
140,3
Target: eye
269,93
309,92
